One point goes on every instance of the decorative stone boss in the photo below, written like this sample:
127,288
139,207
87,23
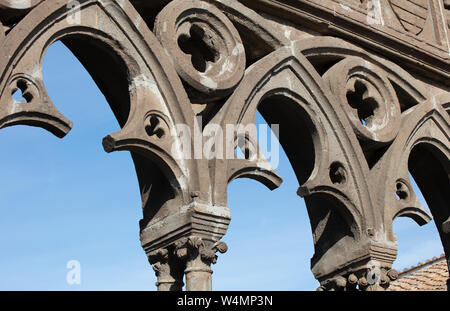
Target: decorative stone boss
352,123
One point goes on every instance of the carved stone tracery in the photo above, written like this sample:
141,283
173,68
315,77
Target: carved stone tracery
361,121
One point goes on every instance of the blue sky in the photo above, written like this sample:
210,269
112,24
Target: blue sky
66,199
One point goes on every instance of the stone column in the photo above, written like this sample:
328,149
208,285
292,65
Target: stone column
199,255
168,270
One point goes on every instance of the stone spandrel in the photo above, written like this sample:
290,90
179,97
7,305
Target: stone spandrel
414,32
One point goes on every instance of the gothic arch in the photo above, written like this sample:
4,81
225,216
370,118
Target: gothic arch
429,167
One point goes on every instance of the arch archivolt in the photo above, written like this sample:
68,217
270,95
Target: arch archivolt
348,118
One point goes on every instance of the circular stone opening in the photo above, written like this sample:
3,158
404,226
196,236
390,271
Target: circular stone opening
338,174
197,43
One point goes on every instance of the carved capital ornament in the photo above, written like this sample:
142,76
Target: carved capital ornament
362,101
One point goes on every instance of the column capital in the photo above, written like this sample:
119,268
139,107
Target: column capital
168,269
371,278
190,248
198,254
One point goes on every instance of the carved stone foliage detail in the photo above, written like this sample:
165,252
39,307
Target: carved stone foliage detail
168,270
195,247
371,277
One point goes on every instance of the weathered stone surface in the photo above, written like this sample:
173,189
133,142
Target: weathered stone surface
359,88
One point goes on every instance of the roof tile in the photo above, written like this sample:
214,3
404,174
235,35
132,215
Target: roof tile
431,275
